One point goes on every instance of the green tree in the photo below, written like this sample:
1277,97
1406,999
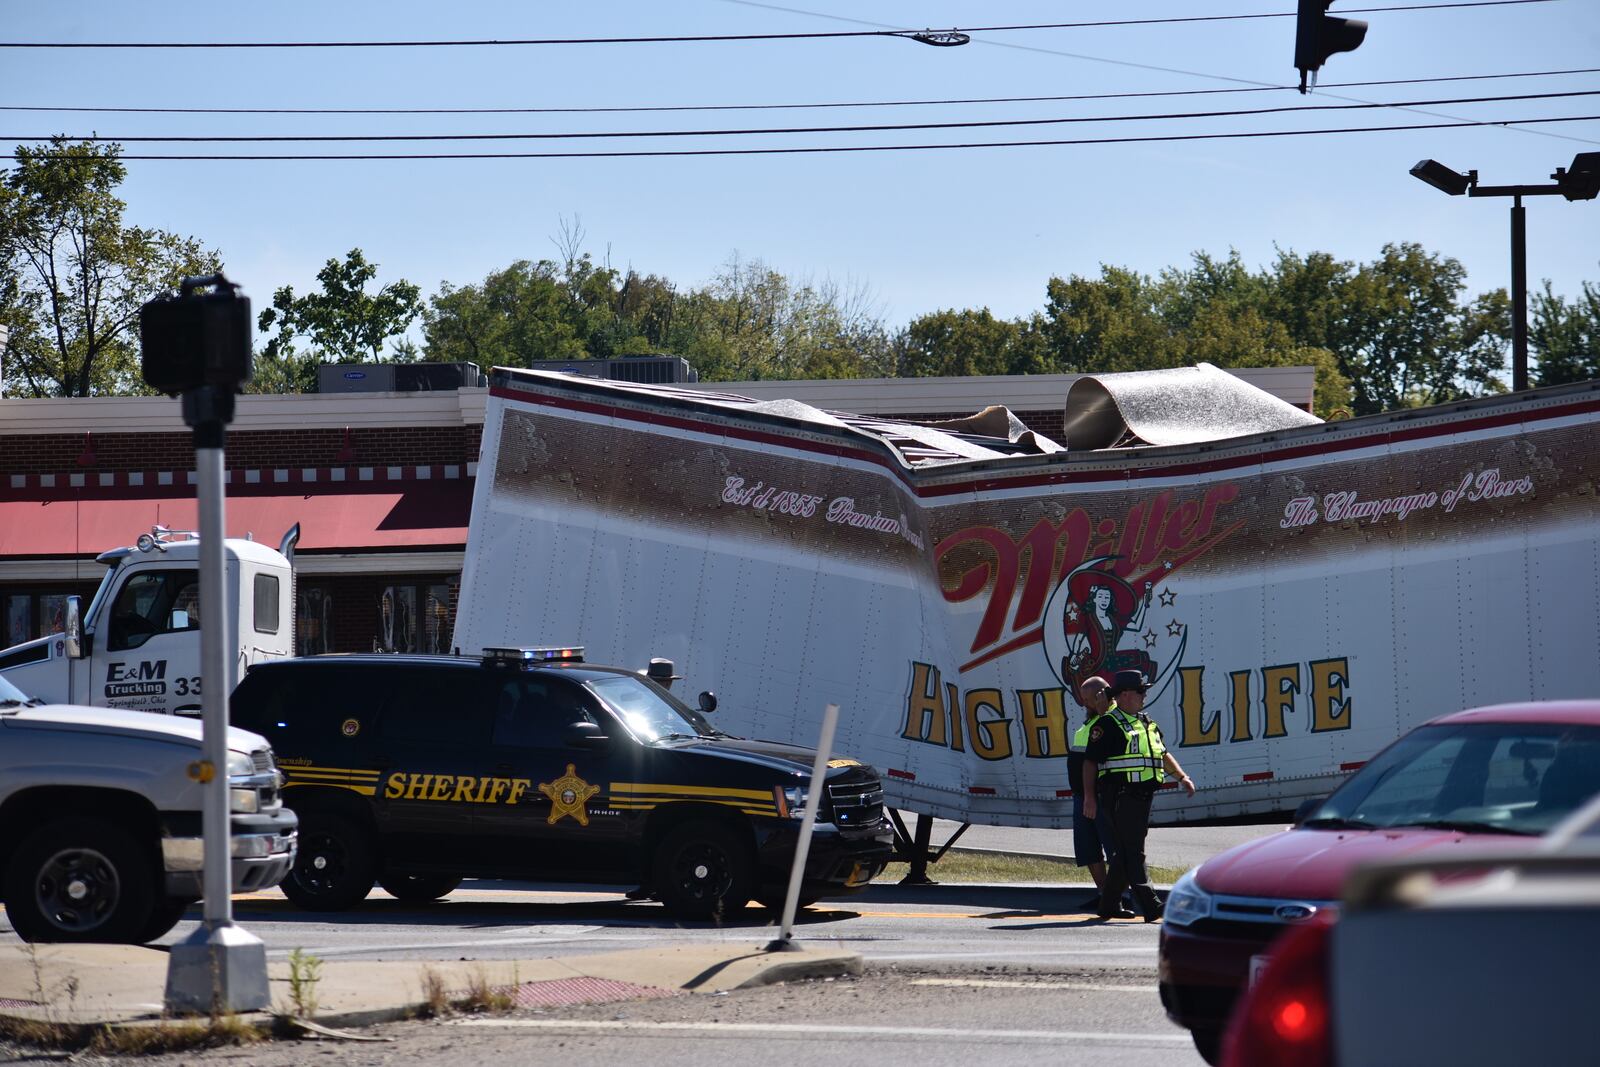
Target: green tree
73,274
343,322
523,313
1565,337
950,343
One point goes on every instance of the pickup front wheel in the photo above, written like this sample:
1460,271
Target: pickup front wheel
83,880
335,867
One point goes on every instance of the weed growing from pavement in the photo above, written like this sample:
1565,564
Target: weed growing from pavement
305,971
435,1000
481,996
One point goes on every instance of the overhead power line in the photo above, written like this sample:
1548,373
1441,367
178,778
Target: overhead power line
712,37
781,130
827,149
653,108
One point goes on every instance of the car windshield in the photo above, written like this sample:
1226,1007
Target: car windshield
649,711
1515,778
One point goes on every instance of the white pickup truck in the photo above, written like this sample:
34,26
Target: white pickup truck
100,819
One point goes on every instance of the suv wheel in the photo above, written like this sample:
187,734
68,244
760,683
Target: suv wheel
80,879
1208,1042
335,867
703,870
163,917
418,888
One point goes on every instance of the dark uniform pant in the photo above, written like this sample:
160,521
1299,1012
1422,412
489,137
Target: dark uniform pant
1130,822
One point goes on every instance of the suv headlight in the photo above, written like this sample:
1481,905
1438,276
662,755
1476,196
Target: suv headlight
1187,903
791,800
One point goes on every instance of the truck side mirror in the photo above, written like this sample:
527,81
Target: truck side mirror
74,628
584,735
1307,809
708,702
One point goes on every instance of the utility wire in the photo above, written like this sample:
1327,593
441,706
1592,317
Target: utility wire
824,149
1131,64
772,130
697,38
767,107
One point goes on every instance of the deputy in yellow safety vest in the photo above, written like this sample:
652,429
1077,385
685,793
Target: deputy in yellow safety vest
1127,760
1091,838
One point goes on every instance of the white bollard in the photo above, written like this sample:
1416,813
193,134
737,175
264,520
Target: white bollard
819,782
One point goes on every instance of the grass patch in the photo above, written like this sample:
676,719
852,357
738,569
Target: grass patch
973,868
137,1039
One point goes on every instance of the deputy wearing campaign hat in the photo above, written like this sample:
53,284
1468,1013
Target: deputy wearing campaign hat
1127,760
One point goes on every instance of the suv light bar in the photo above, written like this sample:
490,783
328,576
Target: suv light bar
525,658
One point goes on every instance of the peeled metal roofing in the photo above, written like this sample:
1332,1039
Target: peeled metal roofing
1180,406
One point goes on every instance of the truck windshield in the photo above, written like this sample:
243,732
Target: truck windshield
650,712
1509,778
10,695
101,593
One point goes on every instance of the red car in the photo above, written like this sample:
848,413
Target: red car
1491,777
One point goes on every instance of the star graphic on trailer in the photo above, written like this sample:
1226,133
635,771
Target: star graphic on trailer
1175,628
1150,636
1167,597
1072,612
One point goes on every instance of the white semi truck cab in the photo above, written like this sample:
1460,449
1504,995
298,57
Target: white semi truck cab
137,646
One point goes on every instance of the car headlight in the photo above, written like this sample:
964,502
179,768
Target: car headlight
1187,903
791,800
240,763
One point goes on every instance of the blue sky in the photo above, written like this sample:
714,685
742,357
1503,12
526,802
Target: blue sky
921,230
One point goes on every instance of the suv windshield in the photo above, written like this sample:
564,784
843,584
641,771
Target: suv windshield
650,712
1513,778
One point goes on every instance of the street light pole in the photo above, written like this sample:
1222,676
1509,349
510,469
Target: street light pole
1581,181
1519,295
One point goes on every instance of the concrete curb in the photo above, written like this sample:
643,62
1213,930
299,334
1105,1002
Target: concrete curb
839,966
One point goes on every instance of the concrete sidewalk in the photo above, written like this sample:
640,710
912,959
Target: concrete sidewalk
113,984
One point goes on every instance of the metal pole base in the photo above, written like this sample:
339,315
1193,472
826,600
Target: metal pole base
217,970
782,944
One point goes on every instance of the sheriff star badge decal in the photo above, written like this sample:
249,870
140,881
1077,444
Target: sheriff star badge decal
568,795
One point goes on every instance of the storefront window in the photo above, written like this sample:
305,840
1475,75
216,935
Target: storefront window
415,618
19,619
314,620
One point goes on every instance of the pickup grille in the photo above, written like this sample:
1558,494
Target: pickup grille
262,758
856,804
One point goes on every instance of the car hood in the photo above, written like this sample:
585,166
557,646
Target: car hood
1313,864
142,724
773,755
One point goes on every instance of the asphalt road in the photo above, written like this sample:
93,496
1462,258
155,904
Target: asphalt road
936,927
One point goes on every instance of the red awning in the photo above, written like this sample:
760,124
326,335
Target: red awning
411,516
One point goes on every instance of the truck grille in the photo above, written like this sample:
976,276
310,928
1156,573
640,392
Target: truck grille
856,804
262,757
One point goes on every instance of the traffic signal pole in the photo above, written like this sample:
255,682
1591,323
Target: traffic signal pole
1519,296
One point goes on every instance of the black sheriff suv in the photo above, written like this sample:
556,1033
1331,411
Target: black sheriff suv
418,771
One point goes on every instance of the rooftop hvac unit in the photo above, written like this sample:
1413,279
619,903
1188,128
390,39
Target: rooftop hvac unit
396,377
646,370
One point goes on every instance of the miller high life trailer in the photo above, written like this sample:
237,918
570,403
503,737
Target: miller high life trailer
1299,592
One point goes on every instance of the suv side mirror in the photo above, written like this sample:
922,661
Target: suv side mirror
1307,809
584,735
74,627
708,702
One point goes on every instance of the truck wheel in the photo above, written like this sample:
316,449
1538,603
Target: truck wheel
418,888
335,867
163,917
1208,1043
703,870
80,879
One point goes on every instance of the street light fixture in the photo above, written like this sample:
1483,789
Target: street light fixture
1581,181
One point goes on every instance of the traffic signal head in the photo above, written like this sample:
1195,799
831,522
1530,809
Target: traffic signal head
1581,181
1316,36
197,339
